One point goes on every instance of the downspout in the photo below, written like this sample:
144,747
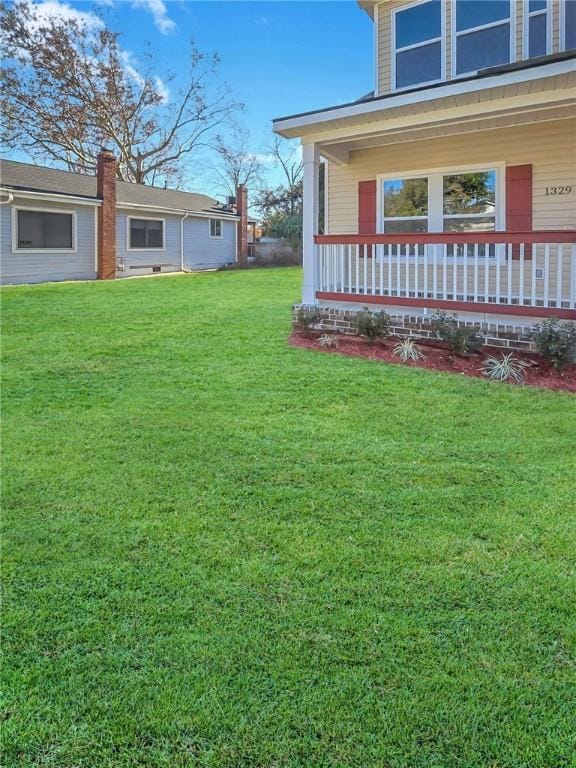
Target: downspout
186,215
9,200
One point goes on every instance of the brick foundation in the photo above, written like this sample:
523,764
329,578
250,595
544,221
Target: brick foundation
497,334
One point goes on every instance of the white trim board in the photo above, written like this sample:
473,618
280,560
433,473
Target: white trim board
143,248
52,251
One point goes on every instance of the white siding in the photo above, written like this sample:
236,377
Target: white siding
140,262
19,267
204,252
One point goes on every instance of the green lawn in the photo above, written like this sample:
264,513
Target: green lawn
223,551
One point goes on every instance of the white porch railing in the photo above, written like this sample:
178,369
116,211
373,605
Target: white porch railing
535,270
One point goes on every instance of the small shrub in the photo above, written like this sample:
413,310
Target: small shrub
372,325
306,319
504,368
328,341
556,342
459,338
407,350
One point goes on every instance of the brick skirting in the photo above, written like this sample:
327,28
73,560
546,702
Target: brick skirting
495,334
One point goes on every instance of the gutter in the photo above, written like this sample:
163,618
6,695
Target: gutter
9,200
186,215
50,196
164,209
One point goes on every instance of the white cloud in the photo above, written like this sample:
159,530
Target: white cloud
54,10
159,12
162,90
130,69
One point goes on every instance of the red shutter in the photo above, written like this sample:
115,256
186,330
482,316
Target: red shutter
519,203
367,207
367,210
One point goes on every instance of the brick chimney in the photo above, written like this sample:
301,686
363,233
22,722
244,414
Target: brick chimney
242,236
106,190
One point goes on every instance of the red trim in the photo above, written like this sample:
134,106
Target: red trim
367,207
461,306
519,198
544,236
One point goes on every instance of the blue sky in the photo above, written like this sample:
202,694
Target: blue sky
278,57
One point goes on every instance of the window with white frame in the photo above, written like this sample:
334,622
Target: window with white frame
146,234
215,227
417,50
456,201
568,25
537,28
483,35
44,230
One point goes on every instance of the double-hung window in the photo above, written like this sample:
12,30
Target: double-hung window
417,49
215,227
568,25
44,230
146,234
483,35
537,28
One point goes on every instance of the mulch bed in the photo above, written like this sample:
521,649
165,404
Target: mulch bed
437,358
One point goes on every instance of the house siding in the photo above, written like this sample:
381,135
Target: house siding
384,37
204,252
549,147
140,262
21,267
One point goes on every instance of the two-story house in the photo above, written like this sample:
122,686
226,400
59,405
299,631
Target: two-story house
453,185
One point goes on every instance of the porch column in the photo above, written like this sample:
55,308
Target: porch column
310,162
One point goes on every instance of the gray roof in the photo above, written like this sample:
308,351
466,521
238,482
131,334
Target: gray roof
35,178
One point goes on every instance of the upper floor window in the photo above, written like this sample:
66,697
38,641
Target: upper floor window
147,233
568,25
483,35
44,230
417,48
537,28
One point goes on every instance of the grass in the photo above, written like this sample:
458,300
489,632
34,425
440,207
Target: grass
223,551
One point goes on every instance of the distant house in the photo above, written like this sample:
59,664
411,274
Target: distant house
56,225
453,185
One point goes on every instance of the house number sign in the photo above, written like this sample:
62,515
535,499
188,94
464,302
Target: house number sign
559,190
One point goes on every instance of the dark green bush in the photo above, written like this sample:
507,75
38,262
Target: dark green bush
372,325
459,339
556,342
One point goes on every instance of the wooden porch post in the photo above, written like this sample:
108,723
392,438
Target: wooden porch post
310,162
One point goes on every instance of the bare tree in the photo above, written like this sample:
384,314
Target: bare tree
68,88
236,162
287,157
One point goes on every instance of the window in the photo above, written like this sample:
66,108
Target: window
483,35
418,56
44,230
536,28
215,228
568,25
406,205
441,201
146,233
469,202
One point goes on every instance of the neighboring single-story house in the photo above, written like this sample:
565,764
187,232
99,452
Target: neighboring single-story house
453,185
57,225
